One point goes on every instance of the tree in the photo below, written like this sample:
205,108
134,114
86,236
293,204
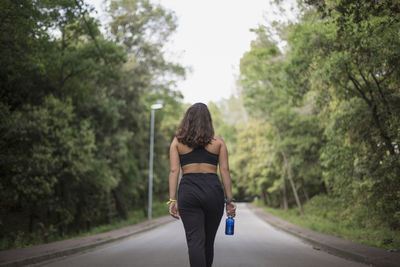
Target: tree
74,115
261,78
355,72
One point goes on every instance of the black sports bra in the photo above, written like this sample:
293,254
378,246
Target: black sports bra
199,155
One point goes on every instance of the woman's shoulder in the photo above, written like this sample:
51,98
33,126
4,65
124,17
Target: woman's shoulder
175,142
180,147
218,139
218,142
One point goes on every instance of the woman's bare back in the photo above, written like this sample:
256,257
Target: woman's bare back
214,147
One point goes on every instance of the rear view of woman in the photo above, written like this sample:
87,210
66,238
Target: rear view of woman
200,201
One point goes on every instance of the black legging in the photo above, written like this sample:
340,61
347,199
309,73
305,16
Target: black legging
201,205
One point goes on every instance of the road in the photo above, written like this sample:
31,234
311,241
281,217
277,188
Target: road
255,244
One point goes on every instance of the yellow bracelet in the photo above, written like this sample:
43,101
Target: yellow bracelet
170,200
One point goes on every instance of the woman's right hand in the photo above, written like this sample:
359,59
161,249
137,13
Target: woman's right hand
231,209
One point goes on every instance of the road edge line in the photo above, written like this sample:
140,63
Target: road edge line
74,250
374,261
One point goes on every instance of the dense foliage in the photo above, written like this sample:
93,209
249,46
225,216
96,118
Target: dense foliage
75,114
324,112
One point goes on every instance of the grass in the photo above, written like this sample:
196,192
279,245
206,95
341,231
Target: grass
325,215
134,217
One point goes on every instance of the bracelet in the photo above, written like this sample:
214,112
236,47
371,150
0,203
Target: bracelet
229,200
170,200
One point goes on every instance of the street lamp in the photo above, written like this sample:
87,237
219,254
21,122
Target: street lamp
153,108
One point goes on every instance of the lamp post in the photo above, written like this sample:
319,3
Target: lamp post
153,108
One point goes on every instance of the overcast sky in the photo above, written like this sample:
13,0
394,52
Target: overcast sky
211,38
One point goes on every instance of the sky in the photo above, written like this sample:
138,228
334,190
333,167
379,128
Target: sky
211,37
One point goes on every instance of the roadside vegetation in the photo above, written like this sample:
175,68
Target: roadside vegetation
38,238
315,126
326,215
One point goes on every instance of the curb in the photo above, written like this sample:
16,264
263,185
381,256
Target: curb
73,250
334,245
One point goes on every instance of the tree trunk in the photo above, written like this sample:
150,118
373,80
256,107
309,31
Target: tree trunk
119,205
284,195
108,210
270,201
290,177
327,188
263,196
306,194
31,218
382,131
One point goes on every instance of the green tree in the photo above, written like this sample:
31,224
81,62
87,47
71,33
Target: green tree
74,114
355,72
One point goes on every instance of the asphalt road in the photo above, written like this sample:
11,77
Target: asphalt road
255,243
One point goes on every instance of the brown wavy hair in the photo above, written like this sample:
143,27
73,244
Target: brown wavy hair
196,127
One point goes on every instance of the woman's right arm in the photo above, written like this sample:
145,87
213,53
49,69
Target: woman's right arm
174,168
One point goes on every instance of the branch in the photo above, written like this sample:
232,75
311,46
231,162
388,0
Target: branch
375,115
71,74
358,88
356,92
387,75
381,93
367,84
92,34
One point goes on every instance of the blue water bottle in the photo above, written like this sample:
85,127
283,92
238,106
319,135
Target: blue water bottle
230,225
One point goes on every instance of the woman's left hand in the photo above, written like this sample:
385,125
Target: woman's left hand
231,209
173,210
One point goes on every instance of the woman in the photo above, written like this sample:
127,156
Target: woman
200,201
